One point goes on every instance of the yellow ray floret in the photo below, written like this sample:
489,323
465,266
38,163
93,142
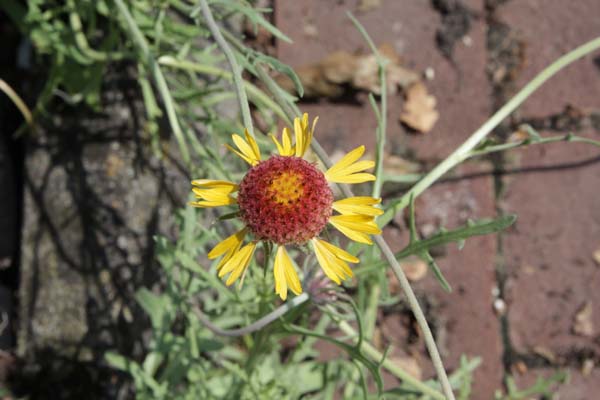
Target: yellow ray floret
348,169
229,247
284,148
362,205
249,150
303,134
333,260
356,227
285,274
238,263
213,193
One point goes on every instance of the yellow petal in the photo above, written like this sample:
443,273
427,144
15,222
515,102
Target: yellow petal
230,253
238,263
248,149
340,253
279,276
212,193
224,186
356,227
253,144
286,140
354,178
277,144
209,204
284,148
285,274
348,159
303,134
299,137
346,170
334,267
242,156
227,244
358,205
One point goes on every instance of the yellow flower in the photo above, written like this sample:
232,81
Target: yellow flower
287,201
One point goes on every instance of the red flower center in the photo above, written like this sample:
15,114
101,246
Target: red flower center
285,200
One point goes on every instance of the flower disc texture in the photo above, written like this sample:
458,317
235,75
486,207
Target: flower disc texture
285,200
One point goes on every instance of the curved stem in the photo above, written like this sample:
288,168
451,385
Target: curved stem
387,252
255,326
16,99
161,83
463,151
235,68
388,364
81,40
381,115
254,92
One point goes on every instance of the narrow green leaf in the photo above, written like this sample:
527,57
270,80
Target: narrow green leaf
436,271
481,227
282,68
353,351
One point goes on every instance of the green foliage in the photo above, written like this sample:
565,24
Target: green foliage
542,387
181,76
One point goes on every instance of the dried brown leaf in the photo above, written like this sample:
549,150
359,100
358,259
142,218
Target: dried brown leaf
328,77
419,109
396,165
596,256
368,5
339,67
414,268
583,324
410,365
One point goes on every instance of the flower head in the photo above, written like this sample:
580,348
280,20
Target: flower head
286,200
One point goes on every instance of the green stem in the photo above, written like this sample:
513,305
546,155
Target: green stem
381,116
387,252
289,110
463,151
81,40
388,364
254,92
413,178
161,83
235,68
16,99
255,326
508,146
371,310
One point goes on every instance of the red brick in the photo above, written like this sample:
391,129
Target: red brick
552,274
551,28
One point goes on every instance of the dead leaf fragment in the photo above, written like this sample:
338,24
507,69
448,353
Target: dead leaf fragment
339,67
330,76
596,256
414,268
545,353
113,165
310,30
368,5
366,75
396,165
419,109
408,364
520,367
587,367
583,324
